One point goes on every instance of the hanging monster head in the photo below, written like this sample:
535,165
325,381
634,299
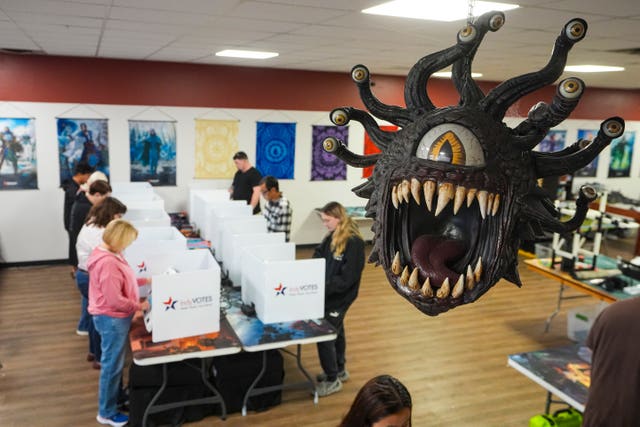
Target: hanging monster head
454,190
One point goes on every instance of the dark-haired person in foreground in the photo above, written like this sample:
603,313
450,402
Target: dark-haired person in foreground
382,402
614,393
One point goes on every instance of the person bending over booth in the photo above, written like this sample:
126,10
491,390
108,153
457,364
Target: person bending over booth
343,251
89,238
277,210
113,300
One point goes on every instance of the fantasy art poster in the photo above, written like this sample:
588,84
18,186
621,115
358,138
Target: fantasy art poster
275,149
325,166
592,168
621,154
18,165
152,147
216,142
554,141
82,140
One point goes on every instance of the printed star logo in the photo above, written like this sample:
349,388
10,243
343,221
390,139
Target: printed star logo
169,304
142,267
280,289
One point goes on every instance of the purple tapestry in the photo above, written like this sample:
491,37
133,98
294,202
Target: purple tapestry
325,166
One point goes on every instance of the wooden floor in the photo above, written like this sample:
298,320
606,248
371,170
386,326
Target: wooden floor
454,365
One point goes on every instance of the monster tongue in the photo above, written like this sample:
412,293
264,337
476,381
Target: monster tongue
432,255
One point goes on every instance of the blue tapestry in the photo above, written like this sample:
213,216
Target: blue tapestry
275,149
325,166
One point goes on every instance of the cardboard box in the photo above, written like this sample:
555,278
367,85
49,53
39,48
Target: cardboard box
185,296
233,257
148,217
285,290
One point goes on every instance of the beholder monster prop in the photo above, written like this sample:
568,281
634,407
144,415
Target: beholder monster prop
454,190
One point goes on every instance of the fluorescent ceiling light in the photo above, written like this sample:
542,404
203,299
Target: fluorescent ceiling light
592,68
451,10
251,54
447,74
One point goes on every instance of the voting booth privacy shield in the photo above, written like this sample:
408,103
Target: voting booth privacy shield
284,290
253,257
185,294
147,218
233,260
198,200
225,224
227,208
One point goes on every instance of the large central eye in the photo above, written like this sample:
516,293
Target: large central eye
451,143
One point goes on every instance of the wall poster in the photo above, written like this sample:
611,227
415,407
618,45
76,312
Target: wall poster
152,146
325,166
621,155
82,140
275,149
592,168
18,165
216,143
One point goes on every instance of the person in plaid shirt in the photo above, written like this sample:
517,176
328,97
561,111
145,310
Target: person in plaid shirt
277,210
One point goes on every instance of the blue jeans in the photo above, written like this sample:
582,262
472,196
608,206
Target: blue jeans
82,280
114,332
85,317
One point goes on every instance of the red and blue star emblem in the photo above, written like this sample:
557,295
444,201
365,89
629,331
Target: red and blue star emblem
280,289
169,304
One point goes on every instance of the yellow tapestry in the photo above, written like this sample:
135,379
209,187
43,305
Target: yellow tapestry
216,143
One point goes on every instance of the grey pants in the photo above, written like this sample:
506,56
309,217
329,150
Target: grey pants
332,353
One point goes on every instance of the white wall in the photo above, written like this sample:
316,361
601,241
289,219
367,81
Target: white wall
31,221
31,227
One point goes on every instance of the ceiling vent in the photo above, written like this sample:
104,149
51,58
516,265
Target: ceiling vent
20,51
630,51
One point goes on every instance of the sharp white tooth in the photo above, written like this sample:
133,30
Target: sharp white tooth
490,203
445,193
429,188
482,202
427,290
459,198
415,190
471,281
396,267
496,204
477,272
405,190
443,292
471,194
404,278
413,280
394,197
458,288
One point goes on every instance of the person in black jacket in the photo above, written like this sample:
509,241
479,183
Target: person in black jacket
343,251
97,191
71,187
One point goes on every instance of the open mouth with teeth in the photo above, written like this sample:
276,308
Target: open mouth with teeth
435,244
455,189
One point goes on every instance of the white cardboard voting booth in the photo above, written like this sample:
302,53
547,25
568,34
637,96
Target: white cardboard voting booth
131,187
185,294
197,203
220,220
140,201
148,218
283,290
252,259
151,241
234,226
211,208
233,260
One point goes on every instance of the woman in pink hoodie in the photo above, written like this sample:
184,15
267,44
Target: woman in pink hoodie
113,300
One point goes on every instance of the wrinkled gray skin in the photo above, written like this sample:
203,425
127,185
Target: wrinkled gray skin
460,249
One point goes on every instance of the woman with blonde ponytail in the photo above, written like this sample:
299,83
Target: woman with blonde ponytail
343,250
